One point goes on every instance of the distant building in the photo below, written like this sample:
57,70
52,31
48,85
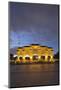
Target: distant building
34,53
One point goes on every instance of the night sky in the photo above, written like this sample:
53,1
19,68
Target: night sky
33,24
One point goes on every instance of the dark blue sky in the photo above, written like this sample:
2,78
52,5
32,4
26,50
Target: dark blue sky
33,24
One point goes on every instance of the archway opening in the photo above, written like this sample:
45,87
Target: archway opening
21,59
43,57
27,58
49,58
35,57
15,58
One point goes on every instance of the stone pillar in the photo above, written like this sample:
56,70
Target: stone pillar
46,60
18,60
31,59
24,59
39,57
52,59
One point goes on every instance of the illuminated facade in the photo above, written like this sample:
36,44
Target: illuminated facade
34,53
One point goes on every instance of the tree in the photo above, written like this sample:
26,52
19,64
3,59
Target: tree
11,56
56,56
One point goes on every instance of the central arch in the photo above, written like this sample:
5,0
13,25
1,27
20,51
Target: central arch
35,57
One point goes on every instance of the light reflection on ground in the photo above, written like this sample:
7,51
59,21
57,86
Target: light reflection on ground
34,74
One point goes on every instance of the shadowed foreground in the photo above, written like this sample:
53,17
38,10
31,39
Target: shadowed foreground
34,75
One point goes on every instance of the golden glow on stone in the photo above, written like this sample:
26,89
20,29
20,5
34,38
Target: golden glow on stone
46,58
36,50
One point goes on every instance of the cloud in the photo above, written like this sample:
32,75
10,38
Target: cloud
33,23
